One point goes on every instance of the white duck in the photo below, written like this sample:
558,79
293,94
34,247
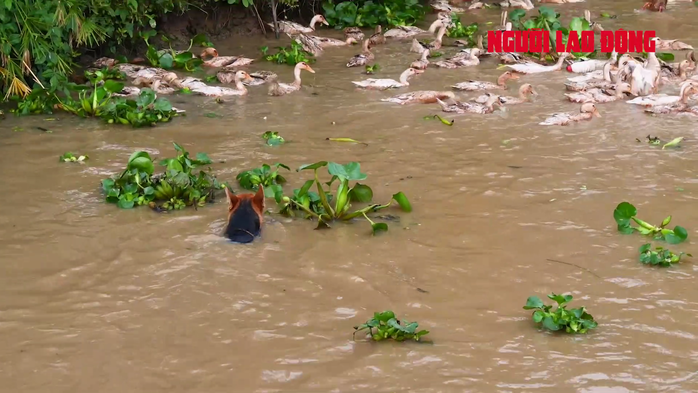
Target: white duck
384,84
605,82
296,28
278,89
400,32
591,65
420,47
643,80
665,99
535,68
478,85
423,61
471,107
660,44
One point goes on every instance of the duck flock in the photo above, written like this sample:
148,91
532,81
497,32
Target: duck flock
600,81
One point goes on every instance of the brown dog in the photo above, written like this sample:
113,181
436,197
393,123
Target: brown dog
245,216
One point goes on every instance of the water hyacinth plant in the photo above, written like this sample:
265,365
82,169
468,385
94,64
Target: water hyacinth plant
576,320
389,327
625,213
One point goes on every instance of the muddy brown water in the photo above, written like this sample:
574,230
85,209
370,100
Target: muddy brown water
96,299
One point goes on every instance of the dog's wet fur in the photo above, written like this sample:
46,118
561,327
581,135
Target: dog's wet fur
245,216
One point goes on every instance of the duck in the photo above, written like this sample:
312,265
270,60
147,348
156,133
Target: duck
384,84
690,56
401,32
678,107
591,65
279,89
363,58
478,85
237,78
421,96
423,61
535,68
561,1
223,61
326,42
600,95
377,38
655,5
525,4
159,86
461,59
665,99
309,44
419,47
355,33
525,92
605,82
260,78
660,44
199,87
684,66
595,26
643,80
289,27
471,107
586,112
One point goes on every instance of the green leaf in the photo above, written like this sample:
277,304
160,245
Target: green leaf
361,193
125,204
143,164
350,171
550,324
664,56
107,184
203,159
384,316
623,213
538,316
517,14
166,61
560,299
149,190
137,154
533,302
679,235
316,165
645,247
113,86
306,186
673,143
402,200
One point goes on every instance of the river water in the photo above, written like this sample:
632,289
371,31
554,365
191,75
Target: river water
97,299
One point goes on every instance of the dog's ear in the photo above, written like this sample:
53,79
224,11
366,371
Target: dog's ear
258,199
233,200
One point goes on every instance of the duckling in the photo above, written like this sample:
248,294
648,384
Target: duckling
422,96
472,107
477,85
355,33
384,84
461,59
296,28
587,111
423,61
598,95
363,58
377,38
525,92
223,61
279,89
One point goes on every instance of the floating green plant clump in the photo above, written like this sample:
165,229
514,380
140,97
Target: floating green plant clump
459,30
625,213
273,138
576,320
290,55
327,205
389,327
660,256
264,176
70,157
179,186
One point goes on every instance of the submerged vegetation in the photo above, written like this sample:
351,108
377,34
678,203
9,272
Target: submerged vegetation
326,206
179,186
389,327
575,320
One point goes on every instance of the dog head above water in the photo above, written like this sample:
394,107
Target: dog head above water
245,216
